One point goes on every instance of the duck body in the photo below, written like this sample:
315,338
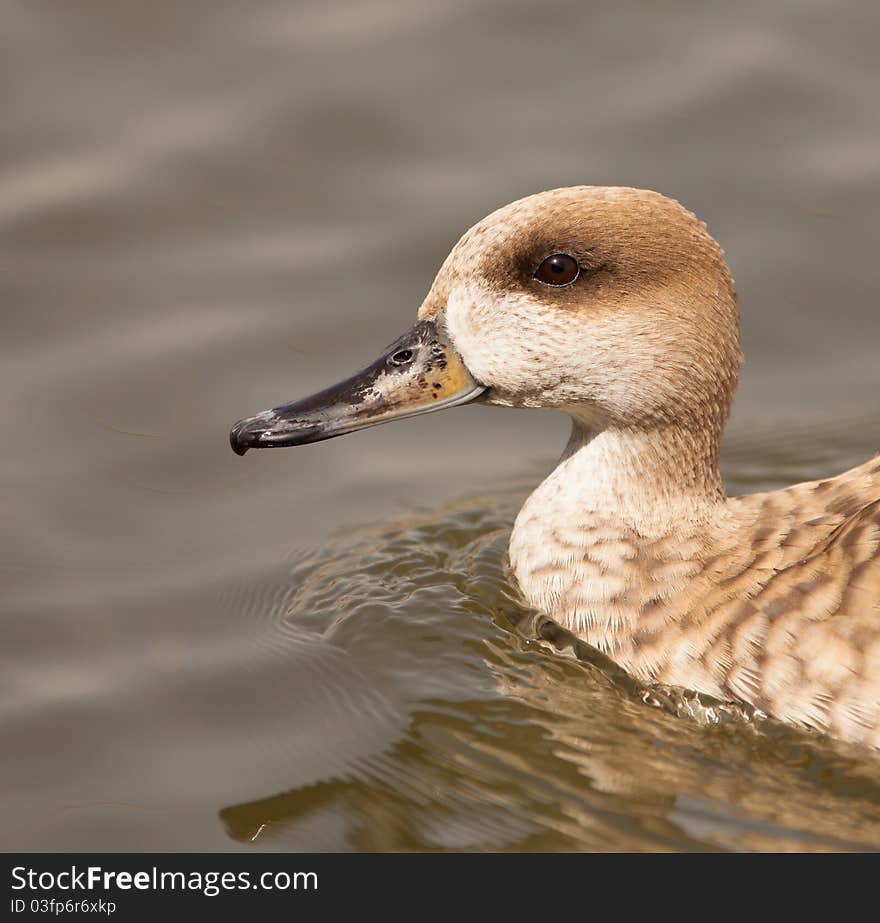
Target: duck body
616,307
770,599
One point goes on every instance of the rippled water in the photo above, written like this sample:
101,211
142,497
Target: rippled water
207,209
499,736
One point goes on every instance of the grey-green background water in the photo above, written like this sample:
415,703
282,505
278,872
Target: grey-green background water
210,208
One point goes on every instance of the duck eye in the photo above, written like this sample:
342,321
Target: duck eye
559,269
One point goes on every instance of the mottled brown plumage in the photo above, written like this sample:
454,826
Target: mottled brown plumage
773,600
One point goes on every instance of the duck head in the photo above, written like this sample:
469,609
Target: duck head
612,304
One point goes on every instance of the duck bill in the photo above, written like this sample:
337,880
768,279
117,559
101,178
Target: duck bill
419,373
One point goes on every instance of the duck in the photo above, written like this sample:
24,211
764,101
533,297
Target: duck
616,306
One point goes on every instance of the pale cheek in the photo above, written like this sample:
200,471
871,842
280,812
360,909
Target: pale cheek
478,332
509,344
532,355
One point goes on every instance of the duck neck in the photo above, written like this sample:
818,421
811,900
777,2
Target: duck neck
649,481
641,476
615,496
